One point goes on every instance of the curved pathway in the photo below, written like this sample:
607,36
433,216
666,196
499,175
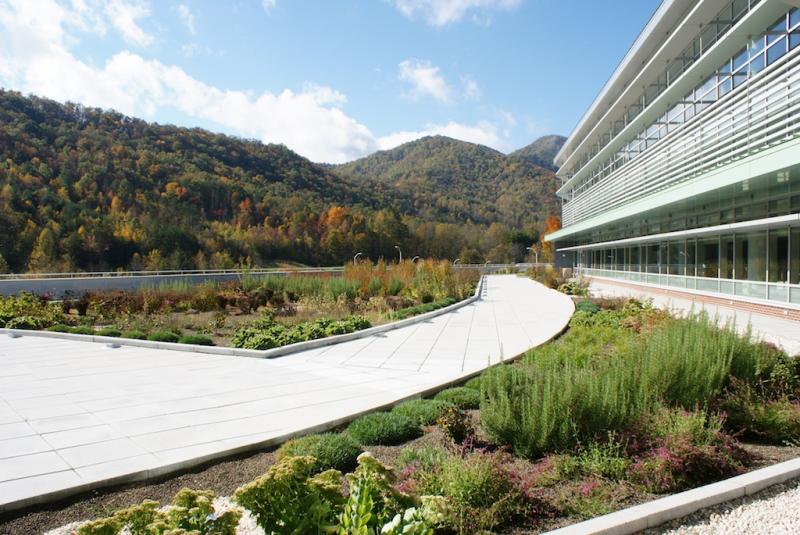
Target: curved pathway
76,416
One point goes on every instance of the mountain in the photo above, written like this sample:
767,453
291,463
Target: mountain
542,152
89,189
450,180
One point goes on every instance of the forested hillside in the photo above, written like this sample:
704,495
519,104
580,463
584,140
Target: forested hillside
542,151
445,179
86,189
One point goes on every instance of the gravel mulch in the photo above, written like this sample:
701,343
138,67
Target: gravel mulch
774,511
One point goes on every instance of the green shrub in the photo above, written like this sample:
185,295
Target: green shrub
109,331
337,451
416,310
587,306
603,377
290,499
196,339
461,397
423,411
58,328
384,429
602,459
82,329
769,421
395,287
478,492
163,336
675,449
134,335
474,384
265,333
28,323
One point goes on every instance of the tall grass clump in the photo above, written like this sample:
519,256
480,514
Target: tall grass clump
600,377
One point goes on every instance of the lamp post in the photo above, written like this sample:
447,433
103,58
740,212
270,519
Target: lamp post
456,261
415,259
355,258
400,252
535,253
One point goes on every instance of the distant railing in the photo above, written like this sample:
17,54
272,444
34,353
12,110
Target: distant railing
236,271
169,272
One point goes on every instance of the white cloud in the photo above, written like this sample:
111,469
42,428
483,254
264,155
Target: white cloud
444,12
471,89
483,133
124,16
187,18
425,79
268,4
35,57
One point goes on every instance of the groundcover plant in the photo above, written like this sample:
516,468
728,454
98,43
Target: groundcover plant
628,404
254,312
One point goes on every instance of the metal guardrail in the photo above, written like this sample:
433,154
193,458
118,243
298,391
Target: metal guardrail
163,273
238,271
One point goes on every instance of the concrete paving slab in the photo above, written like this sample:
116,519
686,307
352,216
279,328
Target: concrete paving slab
76,415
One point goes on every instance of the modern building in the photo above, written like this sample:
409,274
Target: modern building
685,171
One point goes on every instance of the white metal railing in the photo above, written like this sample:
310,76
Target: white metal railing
761,113
781,293
168,272
235,271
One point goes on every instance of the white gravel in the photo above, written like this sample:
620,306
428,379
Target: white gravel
774,511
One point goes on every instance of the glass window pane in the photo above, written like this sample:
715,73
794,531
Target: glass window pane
708,256
778,255
776,51
794,252
751,253
726,258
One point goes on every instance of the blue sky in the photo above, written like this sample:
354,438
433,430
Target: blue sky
331,79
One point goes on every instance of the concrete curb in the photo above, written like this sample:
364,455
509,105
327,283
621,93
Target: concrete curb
657,512
164,470
267,354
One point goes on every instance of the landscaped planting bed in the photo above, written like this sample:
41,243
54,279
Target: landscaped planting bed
256,312
627,406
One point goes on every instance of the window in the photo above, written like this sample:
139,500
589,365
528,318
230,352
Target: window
708,257
794,256
751,254
726,257
778,255
776,51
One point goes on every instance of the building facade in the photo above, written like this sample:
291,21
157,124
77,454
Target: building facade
685,171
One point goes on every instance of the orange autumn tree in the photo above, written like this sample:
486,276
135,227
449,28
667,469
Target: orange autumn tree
552,224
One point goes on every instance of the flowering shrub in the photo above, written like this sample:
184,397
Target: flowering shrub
675,449
456,425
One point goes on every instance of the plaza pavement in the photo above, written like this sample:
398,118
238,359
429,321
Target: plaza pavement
782,332
75,416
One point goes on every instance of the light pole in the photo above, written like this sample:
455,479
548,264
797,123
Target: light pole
535,253
355,258
401,253
456,261
415,259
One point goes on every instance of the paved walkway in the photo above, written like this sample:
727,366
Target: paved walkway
785,333
78,415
